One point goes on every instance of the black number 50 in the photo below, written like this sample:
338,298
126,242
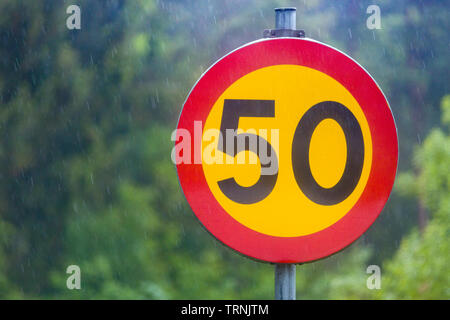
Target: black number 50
234,109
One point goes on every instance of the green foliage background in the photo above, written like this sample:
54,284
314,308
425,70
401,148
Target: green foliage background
85,170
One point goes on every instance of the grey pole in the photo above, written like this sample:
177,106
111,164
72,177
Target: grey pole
285,23
285,19
285,281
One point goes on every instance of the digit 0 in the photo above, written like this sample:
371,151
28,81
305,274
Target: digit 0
300,153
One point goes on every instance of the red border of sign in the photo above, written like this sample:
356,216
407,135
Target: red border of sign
359,83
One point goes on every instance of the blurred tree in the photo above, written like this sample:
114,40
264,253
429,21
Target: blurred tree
71,100
421,267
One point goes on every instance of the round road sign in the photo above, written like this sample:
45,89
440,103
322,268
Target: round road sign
286,150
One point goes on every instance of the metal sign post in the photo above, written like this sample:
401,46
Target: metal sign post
285,26
285,281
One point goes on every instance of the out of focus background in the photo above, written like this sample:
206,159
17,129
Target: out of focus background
85,171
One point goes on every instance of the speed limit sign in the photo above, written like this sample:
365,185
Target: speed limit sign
286,150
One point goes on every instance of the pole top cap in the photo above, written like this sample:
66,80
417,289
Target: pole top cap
286,9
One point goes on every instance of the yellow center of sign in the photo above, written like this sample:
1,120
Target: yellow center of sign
286,211
327,173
